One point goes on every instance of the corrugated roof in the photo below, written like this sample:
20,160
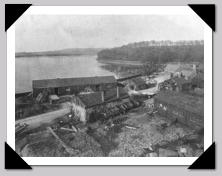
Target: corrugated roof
93,99
181,100
65,82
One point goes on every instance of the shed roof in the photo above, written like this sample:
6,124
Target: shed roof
138,81
65,82
189,103
93,99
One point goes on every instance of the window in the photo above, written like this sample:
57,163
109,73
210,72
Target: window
97,87
68,89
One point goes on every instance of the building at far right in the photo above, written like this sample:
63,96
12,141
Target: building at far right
184,108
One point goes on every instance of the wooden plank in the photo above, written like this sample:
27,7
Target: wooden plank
68,149
68,129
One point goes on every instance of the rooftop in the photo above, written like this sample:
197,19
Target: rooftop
93,99
138,81
181,69
190,103
65,82
181,81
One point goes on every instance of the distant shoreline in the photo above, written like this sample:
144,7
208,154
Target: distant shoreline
18,55
64,52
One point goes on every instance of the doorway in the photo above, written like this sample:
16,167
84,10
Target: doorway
57,91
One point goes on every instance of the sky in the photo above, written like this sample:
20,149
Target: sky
54,32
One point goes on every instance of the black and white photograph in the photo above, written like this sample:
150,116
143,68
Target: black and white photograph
111,83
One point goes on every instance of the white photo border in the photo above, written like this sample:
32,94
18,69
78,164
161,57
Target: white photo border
110,10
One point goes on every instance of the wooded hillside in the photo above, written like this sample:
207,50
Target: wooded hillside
157,51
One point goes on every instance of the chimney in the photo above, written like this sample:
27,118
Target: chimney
117,91
102,94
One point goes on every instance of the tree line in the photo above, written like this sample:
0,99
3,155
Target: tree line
157,52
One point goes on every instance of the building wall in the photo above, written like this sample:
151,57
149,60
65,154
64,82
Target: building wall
186,87
84,113
180,87
73,89
172,112
37,91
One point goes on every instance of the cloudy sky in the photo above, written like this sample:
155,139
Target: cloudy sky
52,32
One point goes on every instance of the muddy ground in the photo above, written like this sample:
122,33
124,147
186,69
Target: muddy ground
136,135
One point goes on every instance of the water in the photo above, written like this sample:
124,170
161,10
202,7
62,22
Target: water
48,67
